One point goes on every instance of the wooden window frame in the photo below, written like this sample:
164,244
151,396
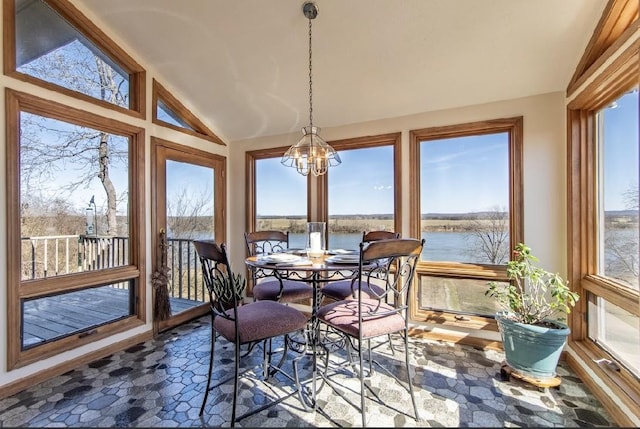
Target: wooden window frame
193,156
137,75
514,127
200,130
250,183
18,289
614,70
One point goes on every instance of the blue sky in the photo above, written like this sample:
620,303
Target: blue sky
458,176
621,150
476,167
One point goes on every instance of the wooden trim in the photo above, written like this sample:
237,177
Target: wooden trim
73,341
453,320
452,338
463,270
17,289
183,317
76,281
200,130
68,365
610,82
617,17
625,298
136,74
250,191
515,128
414,181
621,383
12,132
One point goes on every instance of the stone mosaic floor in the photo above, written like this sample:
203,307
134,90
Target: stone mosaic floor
160,383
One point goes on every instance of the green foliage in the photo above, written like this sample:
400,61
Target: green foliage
223,290
533,294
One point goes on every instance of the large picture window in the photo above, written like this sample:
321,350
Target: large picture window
467,205
362,191
278,196
74,227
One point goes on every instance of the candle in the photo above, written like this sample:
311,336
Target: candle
314,242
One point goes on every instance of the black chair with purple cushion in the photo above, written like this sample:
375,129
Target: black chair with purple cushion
240,323
265,285
360,320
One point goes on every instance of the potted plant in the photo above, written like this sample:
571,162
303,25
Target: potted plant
531,325
225,285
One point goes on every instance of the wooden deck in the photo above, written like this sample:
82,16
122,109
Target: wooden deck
56,316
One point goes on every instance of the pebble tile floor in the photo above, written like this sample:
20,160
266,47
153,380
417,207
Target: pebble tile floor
160,383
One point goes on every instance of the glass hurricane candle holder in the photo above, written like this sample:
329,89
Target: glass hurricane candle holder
315,239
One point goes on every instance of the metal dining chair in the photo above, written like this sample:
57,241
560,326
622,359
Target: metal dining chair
238,323
359,320
265,285
346,289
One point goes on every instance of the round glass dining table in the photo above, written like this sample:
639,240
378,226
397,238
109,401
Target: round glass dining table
316,271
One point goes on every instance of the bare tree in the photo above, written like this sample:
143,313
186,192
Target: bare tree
621,242
189,214
488,235
49,147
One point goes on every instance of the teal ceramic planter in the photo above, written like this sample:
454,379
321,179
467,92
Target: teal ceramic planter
532,350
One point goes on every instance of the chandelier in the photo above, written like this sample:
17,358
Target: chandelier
311,154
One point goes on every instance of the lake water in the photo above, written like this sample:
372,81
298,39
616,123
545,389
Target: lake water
439,246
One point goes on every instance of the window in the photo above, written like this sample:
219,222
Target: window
278,194
74,227
618,173
169,112
603,151
53,45
362,190
613,320
467,204
188,188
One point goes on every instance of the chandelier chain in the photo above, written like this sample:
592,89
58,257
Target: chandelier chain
310,80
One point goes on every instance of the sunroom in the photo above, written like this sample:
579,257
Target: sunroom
133,127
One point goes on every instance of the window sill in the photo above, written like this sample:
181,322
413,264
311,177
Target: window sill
617,390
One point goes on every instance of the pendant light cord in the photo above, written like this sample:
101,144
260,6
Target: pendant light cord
310,82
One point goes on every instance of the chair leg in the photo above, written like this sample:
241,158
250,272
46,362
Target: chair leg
393,352
266,358
211,352
236,383
369,353
361,374
297,380
409,380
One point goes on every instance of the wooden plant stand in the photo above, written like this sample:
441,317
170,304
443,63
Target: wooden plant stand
506,372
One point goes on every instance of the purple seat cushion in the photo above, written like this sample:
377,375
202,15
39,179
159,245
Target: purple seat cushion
340,290
292,291
343,315
260,320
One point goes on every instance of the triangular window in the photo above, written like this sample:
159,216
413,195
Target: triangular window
171,113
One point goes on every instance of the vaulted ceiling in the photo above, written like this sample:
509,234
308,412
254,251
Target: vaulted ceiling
242,65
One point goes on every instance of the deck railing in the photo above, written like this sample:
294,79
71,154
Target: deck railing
50,256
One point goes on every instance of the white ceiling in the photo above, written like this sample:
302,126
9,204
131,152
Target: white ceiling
242,65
